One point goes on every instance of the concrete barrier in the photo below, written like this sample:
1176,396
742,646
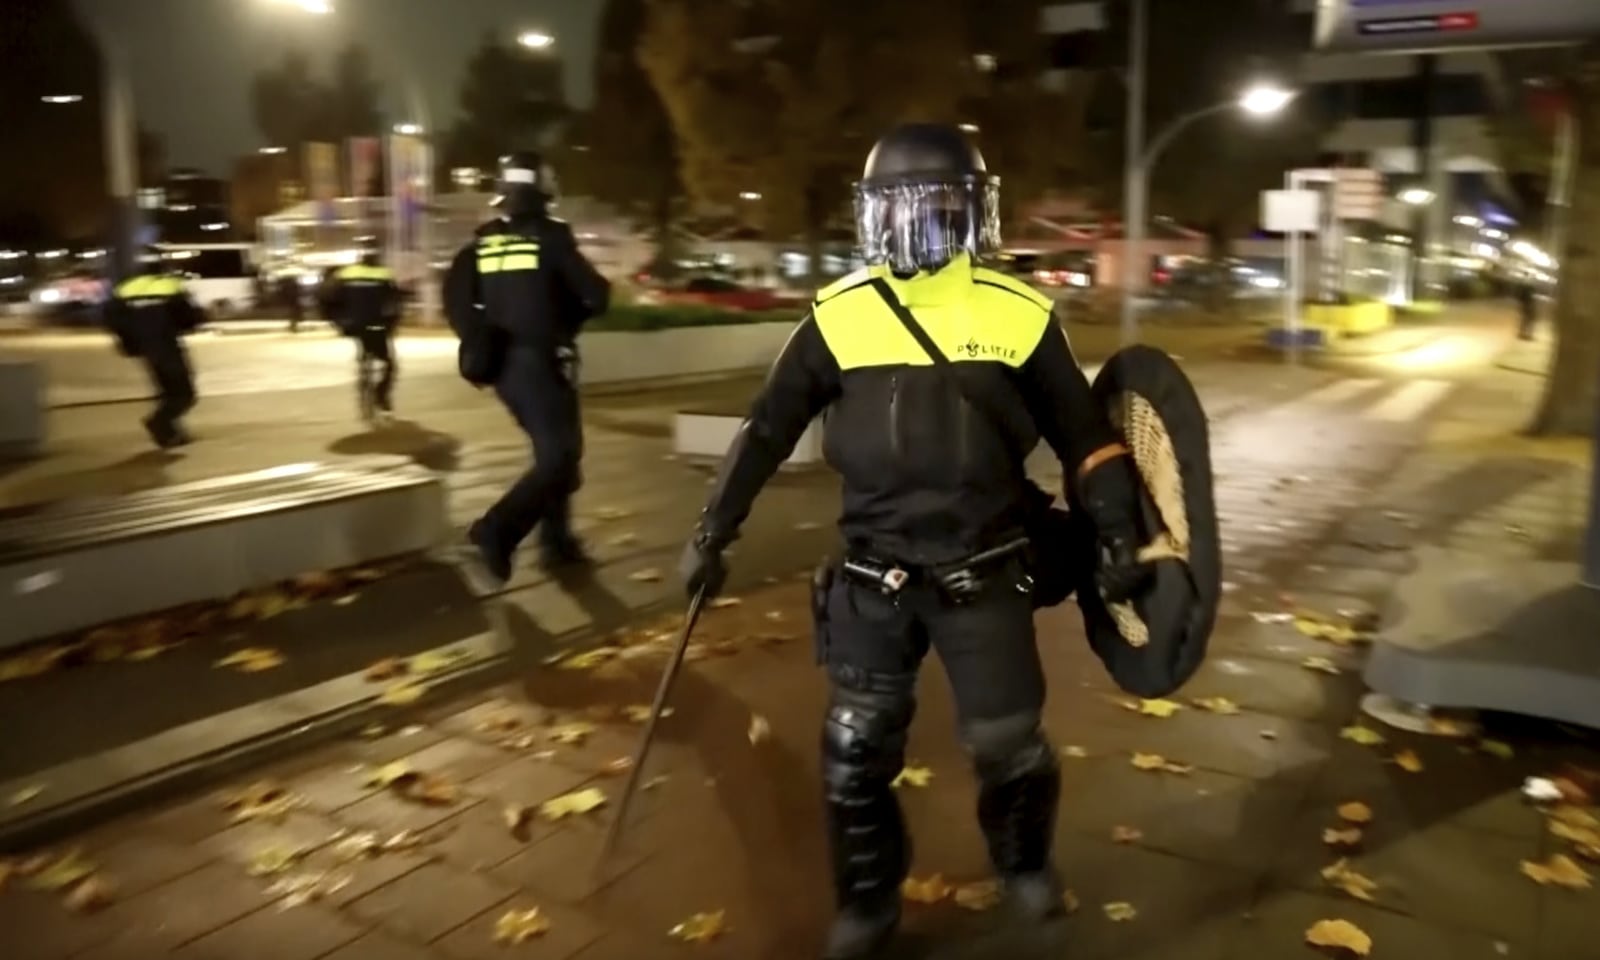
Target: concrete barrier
707,436
1338,321
21,409
68,566
617,357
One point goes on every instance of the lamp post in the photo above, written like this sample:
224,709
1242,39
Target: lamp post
1262,100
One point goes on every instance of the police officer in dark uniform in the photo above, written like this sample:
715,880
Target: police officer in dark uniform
149,313
934,500
363,300
517,296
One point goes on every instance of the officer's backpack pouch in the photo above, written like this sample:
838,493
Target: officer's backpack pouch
1153,644
480,353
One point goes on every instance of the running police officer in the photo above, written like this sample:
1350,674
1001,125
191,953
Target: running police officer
934,494
517,295
149,313
363,301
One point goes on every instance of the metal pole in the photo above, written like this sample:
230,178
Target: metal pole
1133,219
121,160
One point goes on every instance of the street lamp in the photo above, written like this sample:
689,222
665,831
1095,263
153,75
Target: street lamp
62,98
272,151
536,40
408,129
749,195
1261,100
1416,196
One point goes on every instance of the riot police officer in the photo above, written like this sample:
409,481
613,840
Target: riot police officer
363,301
517,296
934,495
149,313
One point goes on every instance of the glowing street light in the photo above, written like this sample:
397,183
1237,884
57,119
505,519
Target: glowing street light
1265,100
749,195
408,129
273,151
62,98
536,40
1416,196
969,128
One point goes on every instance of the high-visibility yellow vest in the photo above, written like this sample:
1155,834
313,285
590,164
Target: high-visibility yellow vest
153,286
506,252
362,273
974,315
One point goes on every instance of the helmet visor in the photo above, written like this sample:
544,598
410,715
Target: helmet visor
924,225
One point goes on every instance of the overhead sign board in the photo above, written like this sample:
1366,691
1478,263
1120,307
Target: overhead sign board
1358,194
1421,26
1291,211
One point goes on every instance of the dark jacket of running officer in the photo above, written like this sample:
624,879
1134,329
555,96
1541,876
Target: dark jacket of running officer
149,313
521,291
930,482
364,302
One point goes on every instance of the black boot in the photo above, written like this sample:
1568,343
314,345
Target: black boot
486,566
1018,818
863,749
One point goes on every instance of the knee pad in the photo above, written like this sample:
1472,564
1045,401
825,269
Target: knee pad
1004,748
864,737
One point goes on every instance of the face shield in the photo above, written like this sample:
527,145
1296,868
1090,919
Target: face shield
914,226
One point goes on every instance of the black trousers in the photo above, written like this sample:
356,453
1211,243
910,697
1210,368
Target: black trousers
545,406
376,349
169,370
873,646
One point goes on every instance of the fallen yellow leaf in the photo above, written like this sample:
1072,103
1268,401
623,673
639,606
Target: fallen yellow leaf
640,712
1151,762
701,928
1220,705
516,927
1559,870
1341,877
607,514
1355,812
273,860
722,603
1582,836
978,896
569,804
617,766
759,729
431,789
390,774
573,733
1408,761
926,890
401,694
1161,709
1120,911
1321,665
1121,834
262,800
25,795
90,894
499,723
438,661
1342,837
252,659
386,669
62,872
623,540
1365,736
1495,748
647,575
1339,935
589,659
912,776
1076,753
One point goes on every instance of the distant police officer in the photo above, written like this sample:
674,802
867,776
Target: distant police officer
518,295
149,313
934,497
364,302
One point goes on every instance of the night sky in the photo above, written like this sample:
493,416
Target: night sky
192,60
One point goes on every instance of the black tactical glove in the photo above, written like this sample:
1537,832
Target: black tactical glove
701,565
1121,573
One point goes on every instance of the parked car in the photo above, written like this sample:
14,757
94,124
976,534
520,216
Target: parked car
718,292
71,298
219,276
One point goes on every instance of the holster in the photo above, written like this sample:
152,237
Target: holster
821,586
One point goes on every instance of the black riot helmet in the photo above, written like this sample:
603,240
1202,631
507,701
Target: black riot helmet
369,249
525,184
924,198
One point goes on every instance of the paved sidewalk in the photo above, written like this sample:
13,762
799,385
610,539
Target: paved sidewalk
1223,862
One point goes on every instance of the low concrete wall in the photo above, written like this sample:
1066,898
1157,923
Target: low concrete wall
21,409
706,436
615,357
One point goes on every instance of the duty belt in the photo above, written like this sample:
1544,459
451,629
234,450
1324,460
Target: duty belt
958,581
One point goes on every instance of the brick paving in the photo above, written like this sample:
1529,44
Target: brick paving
1226,866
